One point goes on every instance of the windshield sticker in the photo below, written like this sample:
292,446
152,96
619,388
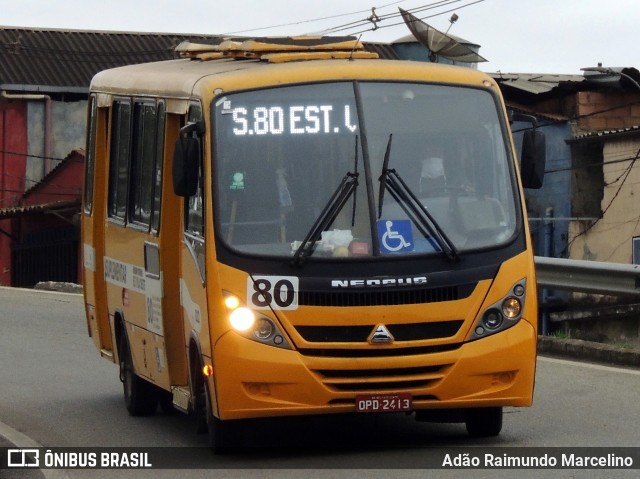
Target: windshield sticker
237,181
273,292
395,236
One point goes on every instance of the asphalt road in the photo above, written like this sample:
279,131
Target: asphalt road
56,391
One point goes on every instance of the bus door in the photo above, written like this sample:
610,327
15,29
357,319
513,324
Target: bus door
192,262
93,226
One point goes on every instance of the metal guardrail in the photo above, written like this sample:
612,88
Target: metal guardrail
587,276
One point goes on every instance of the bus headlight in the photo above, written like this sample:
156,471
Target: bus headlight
242,319
253,325
492,319
502,314
263,329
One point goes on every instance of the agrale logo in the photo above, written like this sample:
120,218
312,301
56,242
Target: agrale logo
380,335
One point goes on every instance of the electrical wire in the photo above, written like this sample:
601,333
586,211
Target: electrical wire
422,18
368,20
330,17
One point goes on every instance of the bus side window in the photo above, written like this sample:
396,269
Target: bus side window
142,163
119,159
157,175
146,164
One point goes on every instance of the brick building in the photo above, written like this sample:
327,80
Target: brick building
592,125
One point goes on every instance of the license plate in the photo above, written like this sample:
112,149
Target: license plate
384,402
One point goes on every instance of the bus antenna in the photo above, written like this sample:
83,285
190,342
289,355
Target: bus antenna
354,47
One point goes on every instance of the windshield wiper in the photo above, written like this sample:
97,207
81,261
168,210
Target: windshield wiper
327,217
413,207
329,213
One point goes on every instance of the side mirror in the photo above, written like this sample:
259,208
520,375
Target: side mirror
186,161
533,159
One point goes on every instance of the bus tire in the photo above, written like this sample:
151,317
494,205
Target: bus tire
484,422
140,396
224,436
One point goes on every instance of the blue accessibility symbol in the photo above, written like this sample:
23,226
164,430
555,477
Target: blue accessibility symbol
396,236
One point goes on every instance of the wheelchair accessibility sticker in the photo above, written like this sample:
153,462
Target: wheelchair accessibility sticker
395,236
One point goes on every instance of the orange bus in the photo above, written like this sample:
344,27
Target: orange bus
292,226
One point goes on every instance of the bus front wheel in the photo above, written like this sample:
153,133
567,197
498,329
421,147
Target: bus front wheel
484,422
224,436
140,396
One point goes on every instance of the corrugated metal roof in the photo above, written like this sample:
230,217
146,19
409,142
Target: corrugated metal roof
384,50
550,117
77,155
535,83
56,60
605,134
55,206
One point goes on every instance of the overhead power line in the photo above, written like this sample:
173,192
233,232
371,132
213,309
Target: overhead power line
312,20
380,18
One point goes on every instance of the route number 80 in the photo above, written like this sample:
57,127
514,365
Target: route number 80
273,292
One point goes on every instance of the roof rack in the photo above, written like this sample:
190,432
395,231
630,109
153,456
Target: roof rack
276,49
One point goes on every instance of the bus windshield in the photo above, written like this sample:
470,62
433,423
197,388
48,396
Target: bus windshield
283,154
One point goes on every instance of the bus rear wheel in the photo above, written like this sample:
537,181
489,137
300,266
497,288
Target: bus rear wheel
484,422
140,396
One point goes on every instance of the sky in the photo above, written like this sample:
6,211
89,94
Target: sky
532,36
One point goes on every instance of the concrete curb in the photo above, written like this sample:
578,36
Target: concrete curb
11,438
589,351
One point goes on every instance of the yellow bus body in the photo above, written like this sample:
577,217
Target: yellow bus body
176,320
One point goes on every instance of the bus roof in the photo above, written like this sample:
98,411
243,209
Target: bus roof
291,60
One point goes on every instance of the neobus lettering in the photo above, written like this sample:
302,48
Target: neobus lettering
372,283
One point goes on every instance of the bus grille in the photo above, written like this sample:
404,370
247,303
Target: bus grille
393,379
400,332
376,352
381,297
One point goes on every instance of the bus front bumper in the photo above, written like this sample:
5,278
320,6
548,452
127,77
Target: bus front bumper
255,380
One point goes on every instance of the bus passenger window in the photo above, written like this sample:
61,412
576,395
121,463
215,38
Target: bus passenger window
157,173
143,163
119,161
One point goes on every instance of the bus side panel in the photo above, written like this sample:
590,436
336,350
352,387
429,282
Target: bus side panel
134,296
